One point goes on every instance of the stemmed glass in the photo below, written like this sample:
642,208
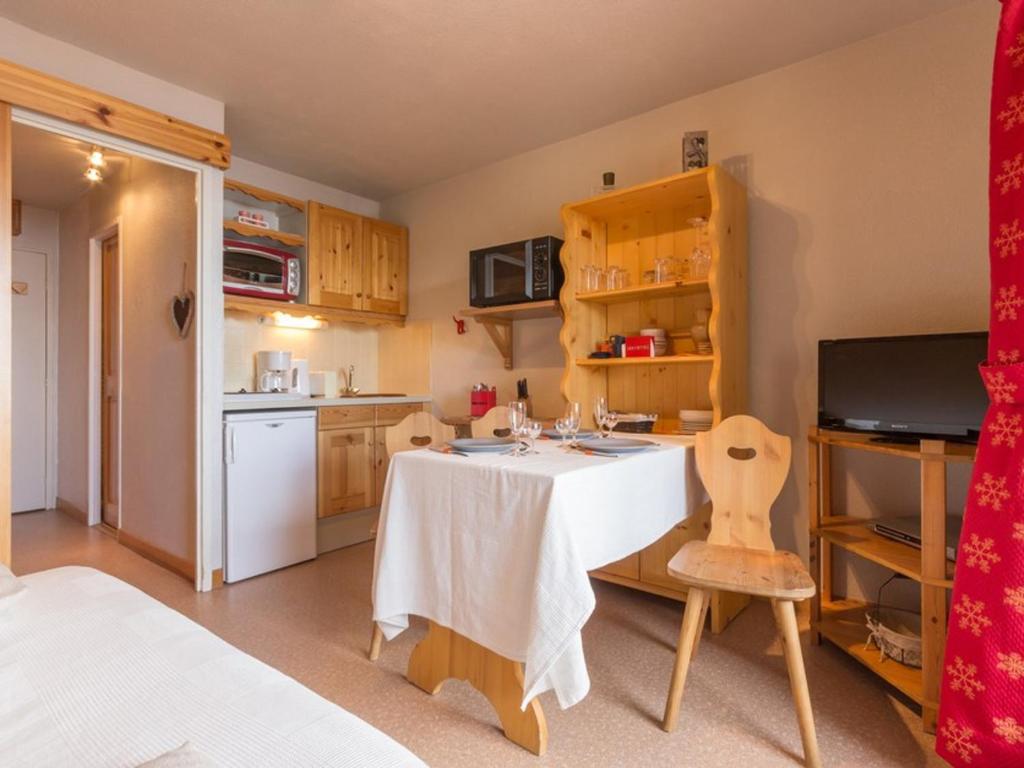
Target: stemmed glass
600,413
574,418
563,428
533,430
610,420
517,423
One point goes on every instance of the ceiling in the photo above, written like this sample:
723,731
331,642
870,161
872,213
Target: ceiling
380,97
48,170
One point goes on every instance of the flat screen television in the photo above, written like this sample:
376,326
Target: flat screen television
913,386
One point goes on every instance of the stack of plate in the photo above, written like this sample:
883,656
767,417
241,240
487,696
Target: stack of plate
660,340
695,421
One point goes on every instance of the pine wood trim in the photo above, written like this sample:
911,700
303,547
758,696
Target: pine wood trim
266,195
72,511
178,565
40,92
5,335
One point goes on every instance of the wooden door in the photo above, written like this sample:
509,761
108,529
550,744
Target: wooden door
385,267
5,334
381,460
334,251
345,459
110,376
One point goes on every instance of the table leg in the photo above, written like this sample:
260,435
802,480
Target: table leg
445,654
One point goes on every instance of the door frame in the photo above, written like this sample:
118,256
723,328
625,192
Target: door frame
95,416
208,326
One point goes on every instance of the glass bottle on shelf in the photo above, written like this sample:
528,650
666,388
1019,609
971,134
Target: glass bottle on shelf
700,258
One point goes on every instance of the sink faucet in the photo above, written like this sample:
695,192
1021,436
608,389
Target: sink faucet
350,390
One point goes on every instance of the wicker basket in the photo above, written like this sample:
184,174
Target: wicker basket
896,634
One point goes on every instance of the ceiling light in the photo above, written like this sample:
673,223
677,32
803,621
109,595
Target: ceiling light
93,174
96,158
308,322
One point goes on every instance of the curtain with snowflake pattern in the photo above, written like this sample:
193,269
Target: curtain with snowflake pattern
981,708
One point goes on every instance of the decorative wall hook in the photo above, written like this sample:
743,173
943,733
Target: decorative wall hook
460,325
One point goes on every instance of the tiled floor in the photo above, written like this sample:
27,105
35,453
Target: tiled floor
312,621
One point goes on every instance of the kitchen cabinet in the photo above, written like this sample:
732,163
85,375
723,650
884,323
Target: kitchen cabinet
385,267
356,262
345,470
334,257
352,457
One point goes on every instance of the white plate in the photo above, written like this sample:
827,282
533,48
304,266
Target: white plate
616,445
583,434
481,444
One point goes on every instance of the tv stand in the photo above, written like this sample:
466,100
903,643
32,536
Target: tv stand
840,620
894,440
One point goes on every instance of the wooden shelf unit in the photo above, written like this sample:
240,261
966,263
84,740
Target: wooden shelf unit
630,228
264,195
248,230
841,621
499,322
269,306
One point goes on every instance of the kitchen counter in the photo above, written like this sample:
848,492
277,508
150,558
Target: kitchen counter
239,403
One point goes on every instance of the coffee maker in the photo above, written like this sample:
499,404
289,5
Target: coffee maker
273,371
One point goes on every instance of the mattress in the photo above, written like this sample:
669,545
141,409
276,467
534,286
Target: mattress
94,672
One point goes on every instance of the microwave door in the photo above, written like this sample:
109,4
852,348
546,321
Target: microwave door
508,278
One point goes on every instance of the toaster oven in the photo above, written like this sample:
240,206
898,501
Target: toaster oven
260,271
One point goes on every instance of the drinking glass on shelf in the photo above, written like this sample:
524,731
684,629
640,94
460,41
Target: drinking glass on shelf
517,423
600,280
700,257
574,418
586,278
600,413
563,428
533,430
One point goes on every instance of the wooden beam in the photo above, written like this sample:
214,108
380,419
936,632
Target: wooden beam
5,335
39,92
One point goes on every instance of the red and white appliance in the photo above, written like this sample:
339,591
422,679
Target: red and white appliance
260,271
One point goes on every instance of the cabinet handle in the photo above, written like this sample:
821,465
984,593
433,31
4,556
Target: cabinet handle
359,295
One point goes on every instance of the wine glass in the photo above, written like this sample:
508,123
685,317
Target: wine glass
563,428
574,418
533,430
600,413
516,422
610,420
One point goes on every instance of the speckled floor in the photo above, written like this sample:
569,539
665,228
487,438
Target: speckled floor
312,621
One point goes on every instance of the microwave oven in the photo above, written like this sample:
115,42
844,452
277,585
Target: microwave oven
260,271
513,273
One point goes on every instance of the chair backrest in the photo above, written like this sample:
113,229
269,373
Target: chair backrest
494,423
743,465
417,430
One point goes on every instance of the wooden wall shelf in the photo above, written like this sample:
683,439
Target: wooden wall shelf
248,230
499,322
265,195
269,306
646,292
841,621
606,362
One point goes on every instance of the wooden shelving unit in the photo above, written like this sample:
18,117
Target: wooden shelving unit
265,195
630,229
614,362
269,306
499,322
841,621
649,292
248,230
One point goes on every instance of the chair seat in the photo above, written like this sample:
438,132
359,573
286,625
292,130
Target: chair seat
757,572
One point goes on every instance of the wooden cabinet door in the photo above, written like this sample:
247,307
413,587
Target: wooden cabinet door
385,267
334,250
654,559
345,460
380,465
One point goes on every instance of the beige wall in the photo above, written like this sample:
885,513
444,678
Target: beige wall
867,175
156,204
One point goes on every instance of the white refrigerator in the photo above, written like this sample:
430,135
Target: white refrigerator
269,490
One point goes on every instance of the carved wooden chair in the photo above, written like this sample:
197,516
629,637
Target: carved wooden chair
743,465
494,423
417,430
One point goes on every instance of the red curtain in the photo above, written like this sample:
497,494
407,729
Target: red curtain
981,708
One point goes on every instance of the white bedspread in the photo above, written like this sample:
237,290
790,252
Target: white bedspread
497,548
94,672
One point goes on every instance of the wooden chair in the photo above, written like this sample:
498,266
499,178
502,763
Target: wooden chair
494,423
743,465
417,430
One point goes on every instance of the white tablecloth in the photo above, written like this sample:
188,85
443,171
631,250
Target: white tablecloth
497,548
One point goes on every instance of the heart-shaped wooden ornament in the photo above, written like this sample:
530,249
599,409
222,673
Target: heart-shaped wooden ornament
183,308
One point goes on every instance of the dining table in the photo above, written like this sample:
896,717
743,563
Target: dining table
494,550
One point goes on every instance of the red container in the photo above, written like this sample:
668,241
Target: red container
481,401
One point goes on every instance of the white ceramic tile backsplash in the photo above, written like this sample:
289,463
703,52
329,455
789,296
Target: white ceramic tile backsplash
334,348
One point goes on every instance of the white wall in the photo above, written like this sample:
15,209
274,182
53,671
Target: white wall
867,175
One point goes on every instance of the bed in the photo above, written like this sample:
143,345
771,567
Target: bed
93,672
